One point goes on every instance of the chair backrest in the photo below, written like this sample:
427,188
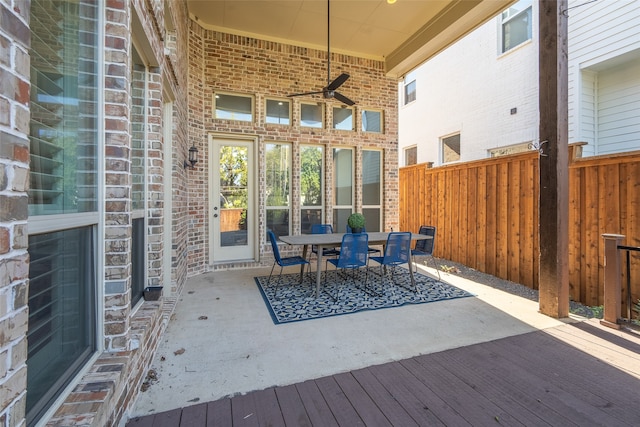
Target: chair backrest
354,250
364,230
274,246
321,229
426,245
398,248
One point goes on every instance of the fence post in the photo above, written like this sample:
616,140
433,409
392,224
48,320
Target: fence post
612,285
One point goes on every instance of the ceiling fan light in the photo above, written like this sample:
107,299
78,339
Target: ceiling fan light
391,1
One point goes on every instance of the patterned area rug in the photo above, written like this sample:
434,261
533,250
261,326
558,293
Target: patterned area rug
296,301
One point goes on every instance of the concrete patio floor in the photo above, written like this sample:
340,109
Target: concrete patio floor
222,341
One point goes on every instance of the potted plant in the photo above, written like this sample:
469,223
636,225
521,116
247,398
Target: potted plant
356,222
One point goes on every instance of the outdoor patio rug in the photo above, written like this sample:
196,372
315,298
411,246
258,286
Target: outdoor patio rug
297,301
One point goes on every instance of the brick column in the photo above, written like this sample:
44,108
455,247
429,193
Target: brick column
14,171
117,240
612,286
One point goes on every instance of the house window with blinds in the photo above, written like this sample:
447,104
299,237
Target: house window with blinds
63,208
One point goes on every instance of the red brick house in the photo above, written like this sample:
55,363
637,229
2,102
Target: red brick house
102,103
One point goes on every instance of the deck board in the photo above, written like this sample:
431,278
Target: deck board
358,397
571,375
383,399
194,416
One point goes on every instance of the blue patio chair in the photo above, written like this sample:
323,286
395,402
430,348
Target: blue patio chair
370,249
425,247
353,255
282,262
396,252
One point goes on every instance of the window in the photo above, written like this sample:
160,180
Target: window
138,174
64,145
342,187
311,186
411,155
516,25
311,115
278,111
62,314
372,121
233,107
451,148
343,118
409,92
510,149
372,189
278,178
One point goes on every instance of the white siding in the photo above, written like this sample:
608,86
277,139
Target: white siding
619,109
470,88
604,75
587,110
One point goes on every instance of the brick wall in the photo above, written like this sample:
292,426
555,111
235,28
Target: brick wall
105,394
223,62
14,169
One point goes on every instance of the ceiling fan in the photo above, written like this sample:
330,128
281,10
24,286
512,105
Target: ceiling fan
329,91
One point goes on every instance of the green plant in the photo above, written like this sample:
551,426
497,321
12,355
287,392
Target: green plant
356,221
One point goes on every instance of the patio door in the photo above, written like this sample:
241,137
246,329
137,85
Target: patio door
232,209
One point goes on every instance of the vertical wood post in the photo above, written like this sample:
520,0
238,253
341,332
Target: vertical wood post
612,285
554,158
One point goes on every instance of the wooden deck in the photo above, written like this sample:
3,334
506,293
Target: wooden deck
578,374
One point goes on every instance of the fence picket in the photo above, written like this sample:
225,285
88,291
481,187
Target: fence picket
486,212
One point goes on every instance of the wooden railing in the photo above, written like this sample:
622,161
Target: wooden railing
486,214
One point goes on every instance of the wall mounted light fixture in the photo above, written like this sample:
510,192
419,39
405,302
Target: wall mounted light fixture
193,158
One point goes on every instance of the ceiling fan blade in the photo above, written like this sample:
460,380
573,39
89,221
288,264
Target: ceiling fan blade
338,81
343,99
305,93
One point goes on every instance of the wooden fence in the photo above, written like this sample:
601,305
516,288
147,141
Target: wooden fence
486,214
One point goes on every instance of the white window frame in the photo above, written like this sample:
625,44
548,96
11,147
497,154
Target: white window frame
252,99
509,15
406,150
349,127
442,146
410,97
322,114
321,208
381,192
364,121
280,101
334,204
290,185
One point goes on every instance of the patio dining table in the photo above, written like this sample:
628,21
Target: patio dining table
332,240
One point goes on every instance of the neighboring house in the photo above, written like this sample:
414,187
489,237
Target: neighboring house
479,98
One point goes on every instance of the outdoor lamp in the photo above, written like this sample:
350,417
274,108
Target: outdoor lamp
193,157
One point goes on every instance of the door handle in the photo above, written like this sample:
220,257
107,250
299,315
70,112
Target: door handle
215,215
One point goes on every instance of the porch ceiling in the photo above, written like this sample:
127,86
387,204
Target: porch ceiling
403,35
